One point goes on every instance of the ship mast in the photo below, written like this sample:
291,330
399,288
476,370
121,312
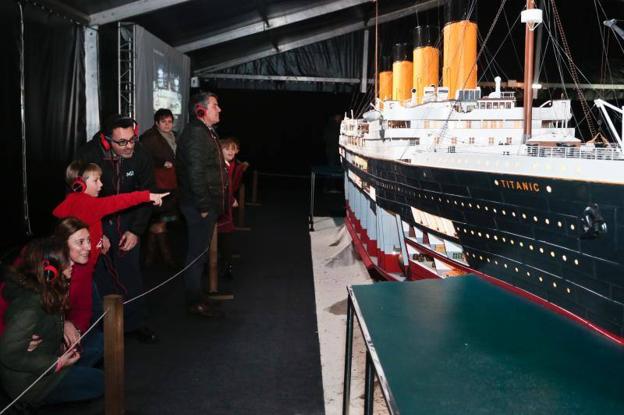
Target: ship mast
529,54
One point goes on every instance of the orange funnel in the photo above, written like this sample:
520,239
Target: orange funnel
460,56
402,70
426,59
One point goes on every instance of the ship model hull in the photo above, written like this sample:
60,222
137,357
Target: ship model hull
529,232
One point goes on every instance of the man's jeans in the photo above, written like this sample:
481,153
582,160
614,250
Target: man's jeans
199,235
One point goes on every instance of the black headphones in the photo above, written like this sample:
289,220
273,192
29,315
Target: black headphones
50,269
105,140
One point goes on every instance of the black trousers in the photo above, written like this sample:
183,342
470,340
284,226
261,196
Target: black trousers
119,272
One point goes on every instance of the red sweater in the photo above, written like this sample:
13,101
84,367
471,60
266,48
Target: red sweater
91,210
235,171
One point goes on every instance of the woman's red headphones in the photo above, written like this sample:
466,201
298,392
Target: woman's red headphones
50,270
105,140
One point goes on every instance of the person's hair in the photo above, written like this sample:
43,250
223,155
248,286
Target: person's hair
199,98
31,273
79,168
68,226
163,113
230,141
117,121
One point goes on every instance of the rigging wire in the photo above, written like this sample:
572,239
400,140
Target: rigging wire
573,72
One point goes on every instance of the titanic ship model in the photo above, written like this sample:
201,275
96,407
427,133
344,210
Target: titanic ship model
442,180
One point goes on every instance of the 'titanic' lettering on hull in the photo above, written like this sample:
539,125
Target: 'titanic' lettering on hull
519,185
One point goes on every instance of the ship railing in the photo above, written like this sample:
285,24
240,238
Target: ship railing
574,152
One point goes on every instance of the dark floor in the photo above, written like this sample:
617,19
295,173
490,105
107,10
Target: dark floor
263,356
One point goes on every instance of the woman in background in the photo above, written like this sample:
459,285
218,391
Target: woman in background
160,143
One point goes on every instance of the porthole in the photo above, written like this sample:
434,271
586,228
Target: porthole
572,227
568,290
541,250
528,274
576,262
555,284
521,244
565,258
494,210
505,265
486,208
496,182
504,239
549,189
513,214
547,221
541,279
524,216
516,269
559,224
531,247
495,238
511,241
487,235
534,218
504,212
552,254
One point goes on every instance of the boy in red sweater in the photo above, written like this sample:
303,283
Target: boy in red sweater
84,204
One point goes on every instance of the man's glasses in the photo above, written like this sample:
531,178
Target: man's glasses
123,143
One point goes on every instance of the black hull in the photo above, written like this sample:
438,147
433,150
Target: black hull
513,229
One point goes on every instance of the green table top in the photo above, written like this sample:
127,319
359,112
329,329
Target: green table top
465,346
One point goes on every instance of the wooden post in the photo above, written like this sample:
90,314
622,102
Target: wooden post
213,273
241,206
254,189
114,355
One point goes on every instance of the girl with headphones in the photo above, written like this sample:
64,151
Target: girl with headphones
37,291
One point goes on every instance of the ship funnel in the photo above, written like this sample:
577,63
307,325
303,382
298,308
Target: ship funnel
385,78
402,70
460,46
426,59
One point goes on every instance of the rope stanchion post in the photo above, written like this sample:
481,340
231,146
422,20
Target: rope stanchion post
254,189
114,355
213,272
241,206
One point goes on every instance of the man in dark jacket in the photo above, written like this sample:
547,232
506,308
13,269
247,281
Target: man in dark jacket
202,183
126,167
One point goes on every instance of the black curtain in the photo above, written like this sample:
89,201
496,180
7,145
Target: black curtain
54,114
55,107
10,140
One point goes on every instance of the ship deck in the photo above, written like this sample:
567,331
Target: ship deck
463,345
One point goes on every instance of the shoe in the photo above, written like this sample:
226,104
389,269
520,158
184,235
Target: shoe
227,271
144,335
204,310
220,295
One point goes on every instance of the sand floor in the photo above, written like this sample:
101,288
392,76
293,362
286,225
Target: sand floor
335,267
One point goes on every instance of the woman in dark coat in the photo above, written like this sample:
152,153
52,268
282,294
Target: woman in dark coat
160,143
37,292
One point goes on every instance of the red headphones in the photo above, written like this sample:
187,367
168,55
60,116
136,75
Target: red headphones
79,185
105,140
200,110
50,270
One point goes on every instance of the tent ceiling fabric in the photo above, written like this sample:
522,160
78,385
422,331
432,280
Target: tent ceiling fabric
217,33
225,35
